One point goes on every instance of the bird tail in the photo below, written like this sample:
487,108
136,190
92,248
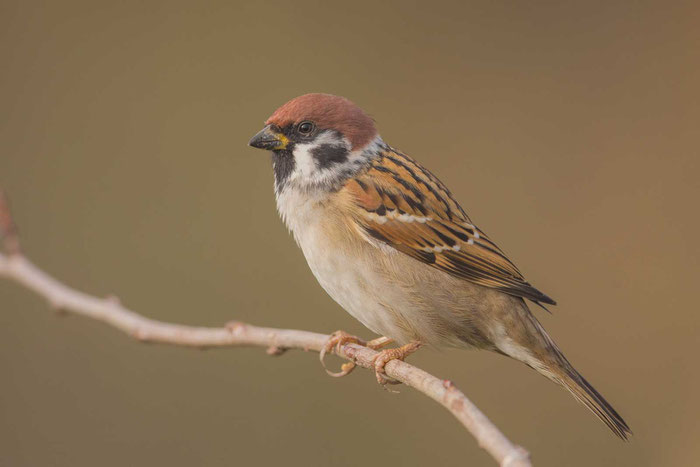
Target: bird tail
558,369
531,344
570,379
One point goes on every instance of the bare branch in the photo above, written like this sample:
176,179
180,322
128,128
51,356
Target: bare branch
8,229
16,267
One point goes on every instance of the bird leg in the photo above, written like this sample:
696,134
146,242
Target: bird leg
340,338
387,355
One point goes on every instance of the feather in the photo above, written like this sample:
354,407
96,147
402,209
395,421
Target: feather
402,204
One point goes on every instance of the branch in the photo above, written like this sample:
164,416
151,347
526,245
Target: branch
16,267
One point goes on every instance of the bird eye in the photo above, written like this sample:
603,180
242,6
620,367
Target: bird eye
305,128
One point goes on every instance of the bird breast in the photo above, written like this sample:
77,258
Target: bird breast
339,260
390,293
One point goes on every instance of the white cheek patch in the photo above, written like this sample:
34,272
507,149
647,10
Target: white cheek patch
305,164
306,169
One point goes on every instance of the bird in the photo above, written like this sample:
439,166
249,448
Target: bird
386,239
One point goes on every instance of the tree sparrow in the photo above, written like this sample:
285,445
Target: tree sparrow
388,242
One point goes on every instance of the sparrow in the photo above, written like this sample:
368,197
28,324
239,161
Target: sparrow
389,243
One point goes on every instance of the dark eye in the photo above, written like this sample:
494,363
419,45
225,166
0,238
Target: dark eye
305,128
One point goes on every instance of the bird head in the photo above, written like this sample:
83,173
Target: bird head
317,141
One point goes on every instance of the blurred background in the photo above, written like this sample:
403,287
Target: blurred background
568,131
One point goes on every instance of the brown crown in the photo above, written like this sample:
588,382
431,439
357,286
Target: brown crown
328,112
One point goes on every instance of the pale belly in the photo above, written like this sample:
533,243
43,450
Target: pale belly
390,293
352,282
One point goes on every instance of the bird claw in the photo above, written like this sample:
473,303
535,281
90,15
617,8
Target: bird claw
336,341
340,338
387,355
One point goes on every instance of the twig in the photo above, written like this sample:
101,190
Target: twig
8,229
16,267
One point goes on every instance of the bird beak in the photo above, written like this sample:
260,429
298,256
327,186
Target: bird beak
270,139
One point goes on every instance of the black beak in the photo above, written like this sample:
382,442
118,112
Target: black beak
270,139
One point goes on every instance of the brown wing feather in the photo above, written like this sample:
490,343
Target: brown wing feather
402,204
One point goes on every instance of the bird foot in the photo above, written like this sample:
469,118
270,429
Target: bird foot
387,355
340,338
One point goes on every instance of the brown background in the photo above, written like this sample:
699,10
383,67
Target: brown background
569,133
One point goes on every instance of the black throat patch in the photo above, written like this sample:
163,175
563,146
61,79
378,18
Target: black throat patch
283,166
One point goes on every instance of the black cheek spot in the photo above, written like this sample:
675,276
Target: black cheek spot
327,155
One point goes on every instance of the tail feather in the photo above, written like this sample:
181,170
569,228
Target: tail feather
551,362
588,396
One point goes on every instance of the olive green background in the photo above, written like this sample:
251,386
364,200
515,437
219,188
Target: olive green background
569,132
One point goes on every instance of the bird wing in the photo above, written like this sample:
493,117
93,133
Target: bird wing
401,204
